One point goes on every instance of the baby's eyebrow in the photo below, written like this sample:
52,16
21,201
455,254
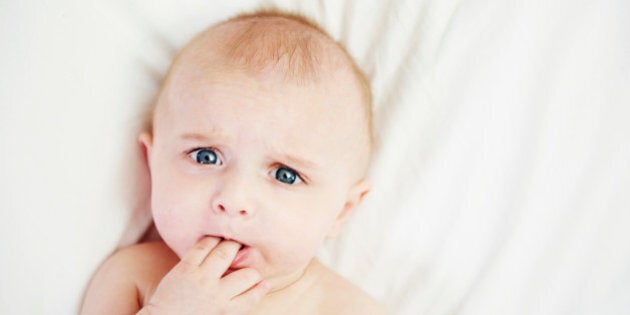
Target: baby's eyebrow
294,160
193,136
199,136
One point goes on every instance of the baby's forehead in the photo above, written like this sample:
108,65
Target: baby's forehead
261,94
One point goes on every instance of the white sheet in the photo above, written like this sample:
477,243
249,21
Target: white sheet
501,179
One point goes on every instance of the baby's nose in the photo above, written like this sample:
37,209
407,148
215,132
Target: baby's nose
233,194
232,211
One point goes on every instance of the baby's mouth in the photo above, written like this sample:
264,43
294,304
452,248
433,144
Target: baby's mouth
240,256
222,238
243,245
239,259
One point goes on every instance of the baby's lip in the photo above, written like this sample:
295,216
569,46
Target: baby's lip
225,238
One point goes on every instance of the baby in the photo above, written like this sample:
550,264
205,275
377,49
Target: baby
258,150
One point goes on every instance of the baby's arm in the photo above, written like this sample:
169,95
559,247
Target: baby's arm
113,290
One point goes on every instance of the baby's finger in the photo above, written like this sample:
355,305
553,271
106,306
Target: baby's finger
196,254
220,259
240,281
246,301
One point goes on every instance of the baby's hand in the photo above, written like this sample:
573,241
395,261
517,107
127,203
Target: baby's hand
195,286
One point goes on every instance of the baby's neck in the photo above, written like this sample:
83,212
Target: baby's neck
284,297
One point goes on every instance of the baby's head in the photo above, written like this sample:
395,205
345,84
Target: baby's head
261,134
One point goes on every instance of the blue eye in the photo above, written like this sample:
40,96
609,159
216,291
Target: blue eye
287,175
205,156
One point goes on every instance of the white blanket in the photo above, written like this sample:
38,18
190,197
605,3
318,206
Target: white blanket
501,183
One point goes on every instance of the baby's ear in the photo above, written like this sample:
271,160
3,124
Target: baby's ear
146,141
355,196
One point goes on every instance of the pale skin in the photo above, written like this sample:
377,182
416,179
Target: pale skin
249,174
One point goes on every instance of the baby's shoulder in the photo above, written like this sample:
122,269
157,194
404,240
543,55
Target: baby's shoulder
125,277
138,257
343,297
146,263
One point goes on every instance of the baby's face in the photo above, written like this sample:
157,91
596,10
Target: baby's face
269,164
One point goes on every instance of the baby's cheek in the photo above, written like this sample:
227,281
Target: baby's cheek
175,201
285,257
302,242
172,228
